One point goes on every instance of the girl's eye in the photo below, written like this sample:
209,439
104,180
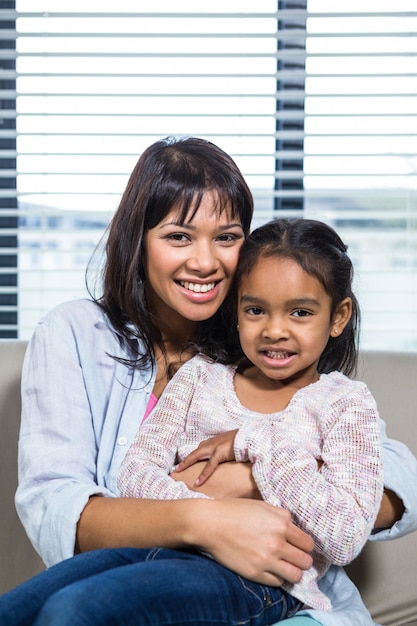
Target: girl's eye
254,310
301,313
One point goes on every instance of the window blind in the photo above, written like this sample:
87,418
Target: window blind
360,153
314,101
96,86
8,200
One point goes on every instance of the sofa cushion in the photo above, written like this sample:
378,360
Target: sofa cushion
385,572
17,557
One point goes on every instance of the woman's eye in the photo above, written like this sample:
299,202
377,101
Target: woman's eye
180,237
228,238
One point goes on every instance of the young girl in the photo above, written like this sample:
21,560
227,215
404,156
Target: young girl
310,432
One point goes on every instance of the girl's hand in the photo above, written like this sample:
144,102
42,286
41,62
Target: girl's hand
230,480
218,449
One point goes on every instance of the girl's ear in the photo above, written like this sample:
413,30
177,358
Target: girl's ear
341,317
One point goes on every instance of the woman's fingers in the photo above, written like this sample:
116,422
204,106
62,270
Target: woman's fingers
260,542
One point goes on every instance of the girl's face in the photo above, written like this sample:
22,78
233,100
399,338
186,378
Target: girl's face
285,321
189,267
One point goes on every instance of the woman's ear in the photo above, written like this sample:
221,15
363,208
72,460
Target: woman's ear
341,317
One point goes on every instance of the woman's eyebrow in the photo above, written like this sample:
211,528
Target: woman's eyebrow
232,225
191,226
176,224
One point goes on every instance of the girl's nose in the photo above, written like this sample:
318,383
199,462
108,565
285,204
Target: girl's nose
275,329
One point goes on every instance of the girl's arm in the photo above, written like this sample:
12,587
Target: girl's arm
144,472
337,505
233,479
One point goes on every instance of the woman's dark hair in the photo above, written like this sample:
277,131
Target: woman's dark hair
319,250
171,173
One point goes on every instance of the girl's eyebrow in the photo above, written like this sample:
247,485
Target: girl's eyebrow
303,302
298,302
252,299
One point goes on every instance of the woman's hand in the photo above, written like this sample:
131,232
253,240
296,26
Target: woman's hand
218,449
255,539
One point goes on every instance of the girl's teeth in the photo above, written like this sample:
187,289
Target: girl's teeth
197,287
277,355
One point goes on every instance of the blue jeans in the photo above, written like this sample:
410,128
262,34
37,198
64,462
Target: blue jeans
137,587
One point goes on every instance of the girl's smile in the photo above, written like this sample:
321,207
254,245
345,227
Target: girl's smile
285,321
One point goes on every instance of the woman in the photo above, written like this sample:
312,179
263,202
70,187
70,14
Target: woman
93,369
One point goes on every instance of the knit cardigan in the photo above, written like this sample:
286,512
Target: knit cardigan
333,420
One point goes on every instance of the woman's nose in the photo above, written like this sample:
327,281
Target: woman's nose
203,258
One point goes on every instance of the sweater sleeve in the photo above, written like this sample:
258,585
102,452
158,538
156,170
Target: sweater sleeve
144,473
338,504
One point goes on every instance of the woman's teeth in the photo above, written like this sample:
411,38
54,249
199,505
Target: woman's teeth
197,287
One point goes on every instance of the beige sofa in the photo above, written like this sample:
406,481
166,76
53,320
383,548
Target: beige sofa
385,572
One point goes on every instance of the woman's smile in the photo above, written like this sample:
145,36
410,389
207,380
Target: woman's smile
197,287
190,265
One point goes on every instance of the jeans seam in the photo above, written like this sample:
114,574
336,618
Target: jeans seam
267,601
153,553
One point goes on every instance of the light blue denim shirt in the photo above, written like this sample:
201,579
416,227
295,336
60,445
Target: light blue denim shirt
74,436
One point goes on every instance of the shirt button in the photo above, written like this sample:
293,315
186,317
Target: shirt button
122,441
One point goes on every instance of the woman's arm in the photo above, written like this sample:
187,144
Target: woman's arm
391,510
400,478
255,539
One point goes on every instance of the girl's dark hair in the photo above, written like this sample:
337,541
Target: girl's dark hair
319,250
171,173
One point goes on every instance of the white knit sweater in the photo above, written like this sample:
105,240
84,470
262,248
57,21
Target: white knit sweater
334,419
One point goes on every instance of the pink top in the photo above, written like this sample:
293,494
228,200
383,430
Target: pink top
151,403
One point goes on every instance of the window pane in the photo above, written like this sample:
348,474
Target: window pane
360,153
96,86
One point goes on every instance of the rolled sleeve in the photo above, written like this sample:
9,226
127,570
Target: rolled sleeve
400,476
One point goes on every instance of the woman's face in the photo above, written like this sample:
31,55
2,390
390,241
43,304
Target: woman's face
189,267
